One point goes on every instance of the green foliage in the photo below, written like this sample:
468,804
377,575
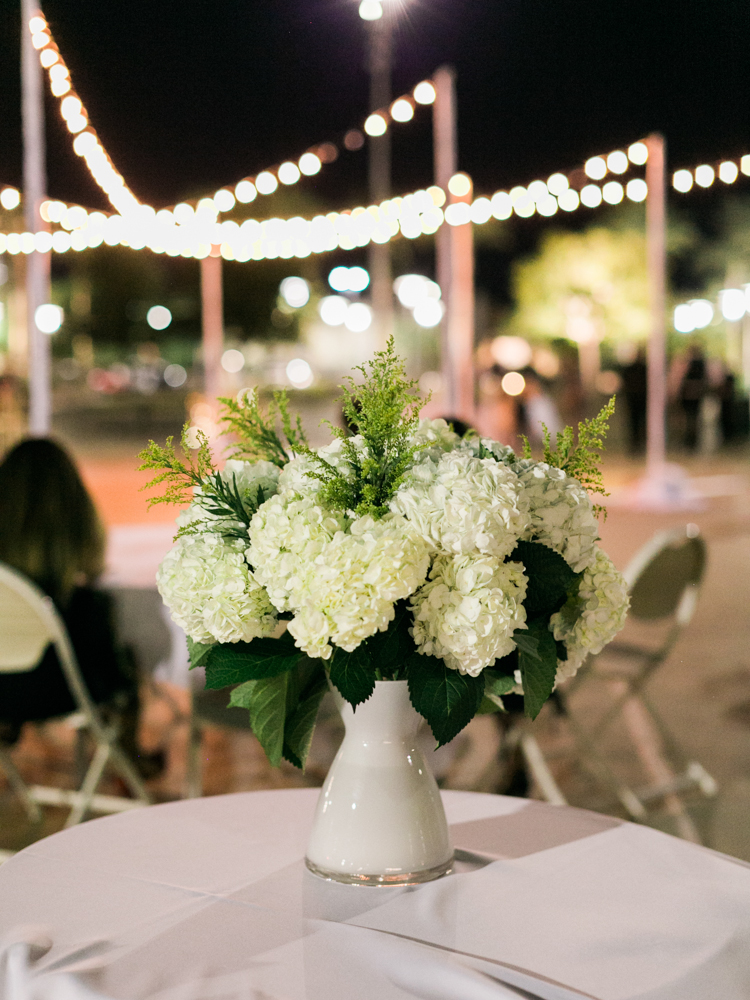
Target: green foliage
446,699
197,652
256,435
495,686
234,662
302,710
180,476
384,409
353,674
550,580
581,459
537,661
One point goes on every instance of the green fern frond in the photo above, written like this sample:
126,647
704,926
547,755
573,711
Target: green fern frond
180,476
256,435
582,459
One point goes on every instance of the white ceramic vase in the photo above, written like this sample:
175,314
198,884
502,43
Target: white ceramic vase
379,818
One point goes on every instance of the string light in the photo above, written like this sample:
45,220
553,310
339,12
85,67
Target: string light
10,198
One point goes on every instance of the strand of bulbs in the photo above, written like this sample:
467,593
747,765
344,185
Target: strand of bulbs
122,199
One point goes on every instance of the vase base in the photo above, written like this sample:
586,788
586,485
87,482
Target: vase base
383,879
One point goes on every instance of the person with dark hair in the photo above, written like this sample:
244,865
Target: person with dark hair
50,531
693,388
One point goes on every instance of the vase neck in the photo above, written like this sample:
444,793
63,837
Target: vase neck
388,714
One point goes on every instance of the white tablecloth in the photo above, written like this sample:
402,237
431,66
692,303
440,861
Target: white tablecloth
210,899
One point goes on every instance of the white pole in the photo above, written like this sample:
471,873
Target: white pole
34,190
454,251
212,306
656,252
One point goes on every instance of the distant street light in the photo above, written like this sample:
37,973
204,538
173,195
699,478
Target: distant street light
48,318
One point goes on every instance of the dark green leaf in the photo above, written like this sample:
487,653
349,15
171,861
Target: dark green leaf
550,578
487,707
266,701
300,723
538,670
197,652
353,674
528,642
446,699
235,662
389,651
498,684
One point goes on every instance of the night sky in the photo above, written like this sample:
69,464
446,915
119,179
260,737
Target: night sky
190,95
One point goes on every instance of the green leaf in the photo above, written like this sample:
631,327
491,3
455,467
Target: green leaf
550,578
446,699
489,707
235,662
266,701
497,684
538,669
528,642
197,652
300,723
389,651
353,674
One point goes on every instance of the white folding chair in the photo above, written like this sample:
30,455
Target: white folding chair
29,622
664,581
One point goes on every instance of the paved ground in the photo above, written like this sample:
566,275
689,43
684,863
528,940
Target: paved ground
703,691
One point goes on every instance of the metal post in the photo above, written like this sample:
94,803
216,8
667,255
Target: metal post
454,247
212,306
379,257
34,189
656,252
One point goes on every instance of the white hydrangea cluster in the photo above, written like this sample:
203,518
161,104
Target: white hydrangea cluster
598,613
210,591
558,512
435,437
287,536
467,612
348,592
463,504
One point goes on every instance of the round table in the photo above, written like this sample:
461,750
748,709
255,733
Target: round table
210,898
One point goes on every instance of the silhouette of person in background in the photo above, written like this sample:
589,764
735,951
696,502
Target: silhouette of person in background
50,531
635,390
693,388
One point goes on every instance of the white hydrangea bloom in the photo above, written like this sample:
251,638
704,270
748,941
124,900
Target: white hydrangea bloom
347,592
438,438
559,512
463,504
210,591
467,612
287,535
595,617
502,452
248,477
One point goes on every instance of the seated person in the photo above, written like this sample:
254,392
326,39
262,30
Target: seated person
50,531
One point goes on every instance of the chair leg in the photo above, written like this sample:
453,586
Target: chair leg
90,784
540,772
19,786
122,763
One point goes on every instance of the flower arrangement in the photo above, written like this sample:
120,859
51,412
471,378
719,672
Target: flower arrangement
398,551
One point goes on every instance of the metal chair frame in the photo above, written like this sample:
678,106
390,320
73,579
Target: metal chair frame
51,629
663,759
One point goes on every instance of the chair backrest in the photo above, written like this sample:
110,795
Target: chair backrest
24,624
665,575
28,623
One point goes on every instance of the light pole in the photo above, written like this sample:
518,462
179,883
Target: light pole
37,264
379,17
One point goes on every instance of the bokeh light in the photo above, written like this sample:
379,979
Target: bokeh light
618,162
289,173
333,310
557,183
295,292
245,192
309,164
265,182
402,110
511,352
358,317
638,153
513,383
682,180
370,10
637,189
158,317
704,175
411,289
376,125
428,313
591,196
459,185
424,93
175,376
595,168
299,373
233,361
612,192
728,172
48,318
224,200
733,304
10,198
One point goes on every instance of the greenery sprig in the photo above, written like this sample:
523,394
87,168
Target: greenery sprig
180,476
384,410
580,459
256,435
